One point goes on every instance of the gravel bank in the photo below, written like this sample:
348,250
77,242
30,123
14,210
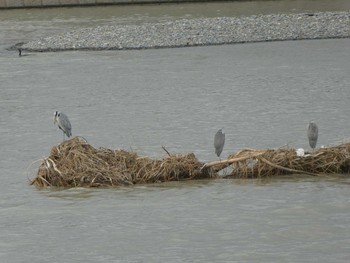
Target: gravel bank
205,31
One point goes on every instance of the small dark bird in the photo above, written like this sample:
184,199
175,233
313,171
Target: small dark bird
19,52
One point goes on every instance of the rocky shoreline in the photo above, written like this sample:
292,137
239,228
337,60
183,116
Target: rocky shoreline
200,32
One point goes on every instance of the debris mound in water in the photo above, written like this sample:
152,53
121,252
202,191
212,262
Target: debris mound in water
251,163
75,163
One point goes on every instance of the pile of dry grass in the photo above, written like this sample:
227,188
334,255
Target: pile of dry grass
75,163
250,163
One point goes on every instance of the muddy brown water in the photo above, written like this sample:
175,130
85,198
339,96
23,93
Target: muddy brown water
262,94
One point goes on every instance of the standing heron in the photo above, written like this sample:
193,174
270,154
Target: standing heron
312,134
219,141
63,123
20,53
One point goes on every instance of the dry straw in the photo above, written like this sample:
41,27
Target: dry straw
75,163
251,163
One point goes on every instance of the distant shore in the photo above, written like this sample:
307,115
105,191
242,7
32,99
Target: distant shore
10,4
199,32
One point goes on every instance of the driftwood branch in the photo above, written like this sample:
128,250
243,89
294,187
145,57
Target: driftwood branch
233,160
285,168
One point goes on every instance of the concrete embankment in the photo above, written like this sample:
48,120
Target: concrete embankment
60,3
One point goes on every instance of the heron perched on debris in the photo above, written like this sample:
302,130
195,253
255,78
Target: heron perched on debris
63,123
312,134
219,141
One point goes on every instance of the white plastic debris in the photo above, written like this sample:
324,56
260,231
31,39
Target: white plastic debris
300,152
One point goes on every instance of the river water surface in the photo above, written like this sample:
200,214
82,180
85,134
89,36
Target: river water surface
262,94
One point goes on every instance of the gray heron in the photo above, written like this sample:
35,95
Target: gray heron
63,123
219,141
20,53
312,134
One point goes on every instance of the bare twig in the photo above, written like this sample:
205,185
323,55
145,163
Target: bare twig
163,147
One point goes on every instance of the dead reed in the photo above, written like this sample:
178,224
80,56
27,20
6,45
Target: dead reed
75,163
251,163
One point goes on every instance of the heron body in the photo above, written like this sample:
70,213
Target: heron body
312,134
219,142
63,123
20,53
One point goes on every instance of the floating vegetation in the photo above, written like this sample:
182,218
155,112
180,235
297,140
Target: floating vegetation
75,163
251,163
